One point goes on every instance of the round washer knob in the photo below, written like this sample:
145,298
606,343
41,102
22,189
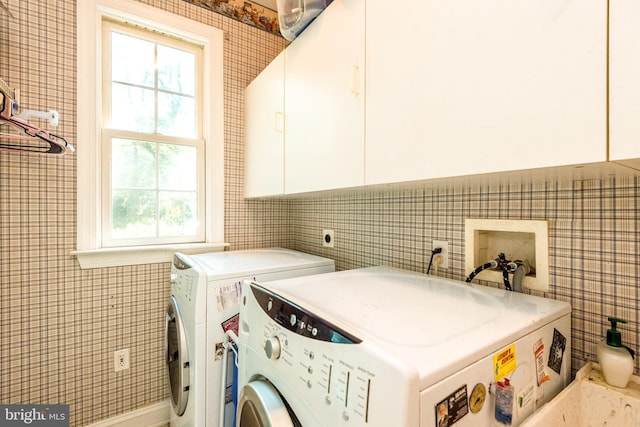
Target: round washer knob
272,348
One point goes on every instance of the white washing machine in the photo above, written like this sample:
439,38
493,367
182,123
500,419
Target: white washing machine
204,303
384,347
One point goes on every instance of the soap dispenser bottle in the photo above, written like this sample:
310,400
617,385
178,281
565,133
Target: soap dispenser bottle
616,360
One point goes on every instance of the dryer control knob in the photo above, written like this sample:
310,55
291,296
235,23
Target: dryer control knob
272,348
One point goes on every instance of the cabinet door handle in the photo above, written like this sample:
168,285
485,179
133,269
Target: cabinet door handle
355,79
279,121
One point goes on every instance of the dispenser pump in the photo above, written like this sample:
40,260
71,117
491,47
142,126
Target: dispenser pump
614,337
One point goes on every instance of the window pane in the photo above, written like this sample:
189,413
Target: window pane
132,108
154,190
134,214
176,70
178,213
176,115
133,164
178,167
132,60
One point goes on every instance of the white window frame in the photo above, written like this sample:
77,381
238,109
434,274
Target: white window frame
90,251
109,132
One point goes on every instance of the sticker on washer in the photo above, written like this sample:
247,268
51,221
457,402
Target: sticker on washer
477,398
504,362
557,351
228,295
219,351
450,410
525,397
231,324
538,353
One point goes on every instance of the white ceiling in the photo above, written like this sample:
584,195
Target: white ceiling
271,4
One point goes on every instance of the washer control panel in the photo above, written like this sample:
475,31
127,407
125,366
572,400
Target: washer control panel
184,279
298,320
320,366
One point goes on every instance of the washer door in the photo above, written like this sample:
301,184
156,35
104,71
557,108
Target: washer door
261,405
177,357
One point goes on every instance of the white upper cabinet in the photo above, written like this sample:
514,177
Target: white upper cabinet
624,82
264,131
460,87
324,101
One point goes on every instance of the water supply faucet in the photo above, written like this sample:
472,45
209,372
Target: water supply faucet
518,268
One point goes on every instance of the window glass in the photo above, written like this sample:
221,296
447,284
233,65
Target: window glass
132,60
178,167
176,115
178,214
132,108
153,190
153,140
176,69
152,87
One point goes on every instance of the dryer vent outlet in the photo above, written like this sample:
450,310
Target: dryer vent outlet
121,360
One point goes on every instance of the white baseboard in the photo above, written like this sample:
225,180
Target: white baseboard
155,415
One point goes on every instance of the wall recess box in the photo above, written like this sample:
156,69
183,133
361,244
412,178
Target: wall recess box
525,240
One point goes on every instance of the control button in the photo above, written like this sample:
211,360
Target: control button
302,324
308,383
272,348
269,305
345,416
314,331
310,369
293,319
327,400
312,355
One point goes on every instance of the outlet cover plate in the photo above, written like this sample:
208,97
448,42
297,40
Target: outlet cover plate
328,238
444,254
121,360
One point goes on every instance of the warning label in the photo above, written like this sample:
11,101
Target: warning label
504,362
228,295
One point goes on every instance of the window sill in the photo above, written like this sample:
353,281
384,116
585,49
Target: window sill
135,255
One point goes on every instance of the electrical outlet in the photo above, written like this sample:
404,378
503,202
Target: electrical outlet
328,238
121,360
444,254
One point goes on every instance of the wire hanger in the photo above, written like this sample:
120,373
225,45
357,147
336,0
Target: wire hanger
32,139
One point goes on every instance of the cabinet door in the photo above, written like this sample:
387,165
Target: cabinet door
460,87
624,81
264,131
324,101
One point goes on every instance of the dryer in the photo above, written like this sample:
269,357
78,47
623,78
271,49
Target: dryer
382,347
204,303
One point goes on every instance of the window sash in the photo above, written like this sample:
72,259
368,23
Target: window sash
109,26
109,133
107,240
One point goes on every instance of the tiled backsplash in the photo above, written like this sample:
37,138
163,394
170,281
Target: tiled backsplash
59,325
